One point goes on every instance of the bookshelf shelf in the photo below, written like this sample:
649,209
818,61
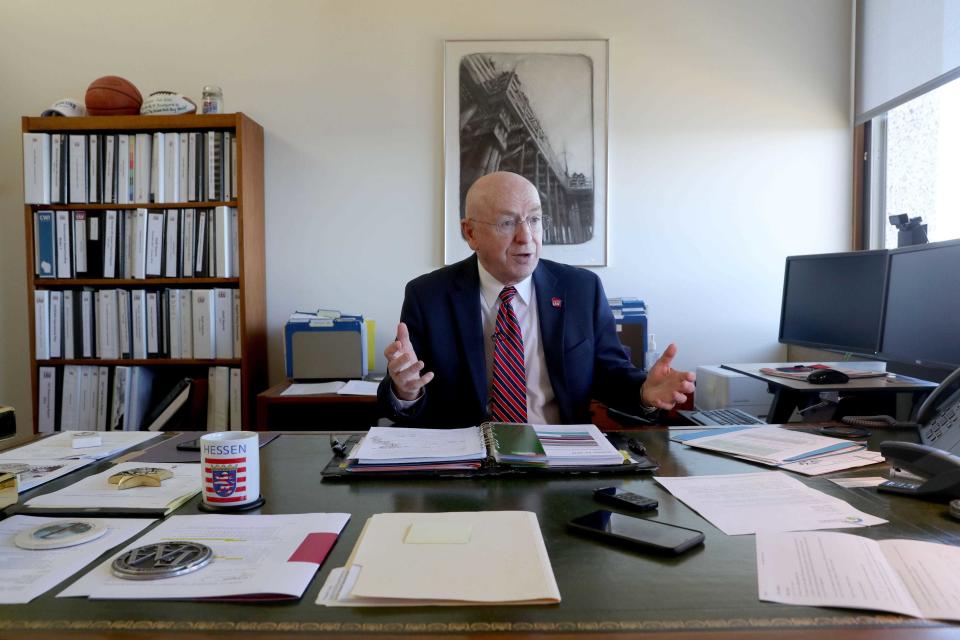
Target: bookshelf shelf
95,206
249,281
150,362
133,283
133,124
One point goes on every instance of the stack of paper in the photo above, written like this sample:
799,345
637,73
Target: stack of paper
398,448
768,445
27,573
417,559
97,494
576,445
54,456
262,557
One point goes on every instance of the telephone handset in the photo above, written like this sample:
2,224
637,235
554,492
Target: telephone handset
938,410
939,471
935,459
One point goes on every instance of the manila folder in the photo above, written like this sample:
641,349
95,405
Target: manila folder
473,556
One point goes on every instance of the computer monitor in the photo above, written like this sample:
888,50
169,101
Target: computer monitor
834,301
921,323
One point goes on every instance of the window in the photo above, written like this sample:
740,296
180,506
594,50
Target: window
918,166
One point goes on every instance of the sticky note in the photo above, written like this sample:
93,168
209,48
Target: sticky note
438,533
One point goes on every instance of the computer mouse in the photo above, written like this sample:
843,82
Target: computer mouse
827,376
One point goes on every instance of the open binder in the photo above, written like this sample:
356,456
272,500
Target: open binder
492,449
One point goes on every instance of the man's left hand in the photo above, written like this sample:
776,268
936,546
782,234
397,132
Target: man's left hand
665,387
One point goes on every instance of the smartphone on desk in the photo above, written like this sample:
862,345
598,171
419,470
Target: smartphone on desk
644,535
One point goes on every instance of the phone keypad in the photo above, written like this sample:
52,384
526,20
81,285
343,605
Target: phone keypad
894,484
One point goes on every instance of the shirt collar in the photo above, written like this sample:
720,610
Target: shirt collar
490,287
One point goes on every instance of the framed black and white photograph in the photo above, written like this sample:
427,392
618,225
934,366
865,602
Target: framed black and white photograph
537,108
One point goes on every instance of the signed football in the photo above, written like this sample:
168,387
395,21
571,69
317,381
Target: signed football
167,103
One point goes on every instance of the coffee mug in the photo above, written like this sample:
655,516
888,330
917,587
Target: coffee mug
230,464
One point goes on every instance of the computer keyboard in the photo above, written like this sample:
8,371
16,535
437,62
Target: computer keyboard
721,416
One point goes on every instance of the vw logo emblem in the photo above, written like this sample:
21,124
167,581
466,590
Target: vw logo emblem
162,560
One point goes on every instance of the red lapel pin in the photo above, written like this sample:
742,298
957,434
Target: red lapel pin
556,302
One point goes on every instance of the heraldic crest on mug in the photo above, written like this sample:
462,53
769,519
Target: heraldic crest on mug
230,468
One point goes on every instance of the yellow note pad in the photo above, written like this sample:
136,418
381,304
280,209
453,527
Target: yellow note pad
438,533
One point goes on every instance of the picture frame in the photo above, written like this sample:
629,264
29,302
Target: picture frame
537,108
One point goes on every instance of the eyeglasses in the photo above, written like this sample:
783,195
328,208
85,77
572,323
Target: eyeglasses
509,226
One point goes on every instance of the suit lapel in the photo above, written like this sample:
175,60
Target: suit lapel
465,301
550,310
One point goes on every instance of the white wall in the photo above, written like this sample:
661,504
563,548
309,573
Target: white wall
729,142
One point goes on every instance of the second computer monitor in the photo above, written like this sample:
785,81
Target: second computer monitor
834,301
922,319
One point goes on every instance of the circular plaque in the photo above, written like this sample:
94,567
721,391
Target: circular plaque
58,534
162,560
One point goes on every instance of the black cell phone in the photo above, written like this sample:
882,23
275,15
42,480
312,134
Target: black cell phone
189,445
625,499
639,533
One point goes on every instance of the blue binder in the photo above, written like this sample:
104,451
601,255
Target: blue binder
46,250
319,348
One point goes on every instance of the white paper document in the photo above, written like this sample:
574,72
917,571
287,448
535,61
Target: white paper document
60,446
27,573
470,557
96,492
359,388
312,388
837,462
33,473
402,445
909,577
265,557
766,501
858,483
576,445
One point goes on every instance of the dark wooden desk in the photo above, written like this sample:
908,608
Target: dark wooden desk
606,591
318,412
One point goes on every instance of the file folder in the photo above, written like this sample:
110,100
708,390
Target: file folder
319,348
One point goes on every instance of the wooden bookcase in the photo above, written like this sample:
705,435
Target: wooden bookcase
250,283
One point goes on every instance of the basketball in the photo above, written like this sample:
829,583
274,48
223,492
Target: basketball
113,96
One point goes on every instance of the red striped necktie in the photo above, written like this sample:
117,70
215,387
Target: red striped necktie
509,393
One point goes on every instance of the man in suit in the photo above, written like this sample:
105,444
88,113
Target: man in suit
506,336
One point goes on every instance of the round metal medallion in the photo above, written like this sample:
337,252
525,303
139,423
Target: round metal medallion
162,560
140,477
62,533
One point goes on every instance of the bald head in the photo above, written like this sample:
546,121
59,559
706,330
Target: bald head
509,252
488,191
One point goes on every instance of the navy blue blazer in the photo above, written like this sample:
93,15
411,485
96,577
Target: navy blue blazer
584,357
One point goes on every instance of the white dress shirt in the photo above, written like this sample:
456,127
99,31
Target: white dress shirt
541,405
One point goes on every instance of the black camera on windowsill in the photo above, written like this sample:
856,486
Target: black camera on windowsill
909,230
